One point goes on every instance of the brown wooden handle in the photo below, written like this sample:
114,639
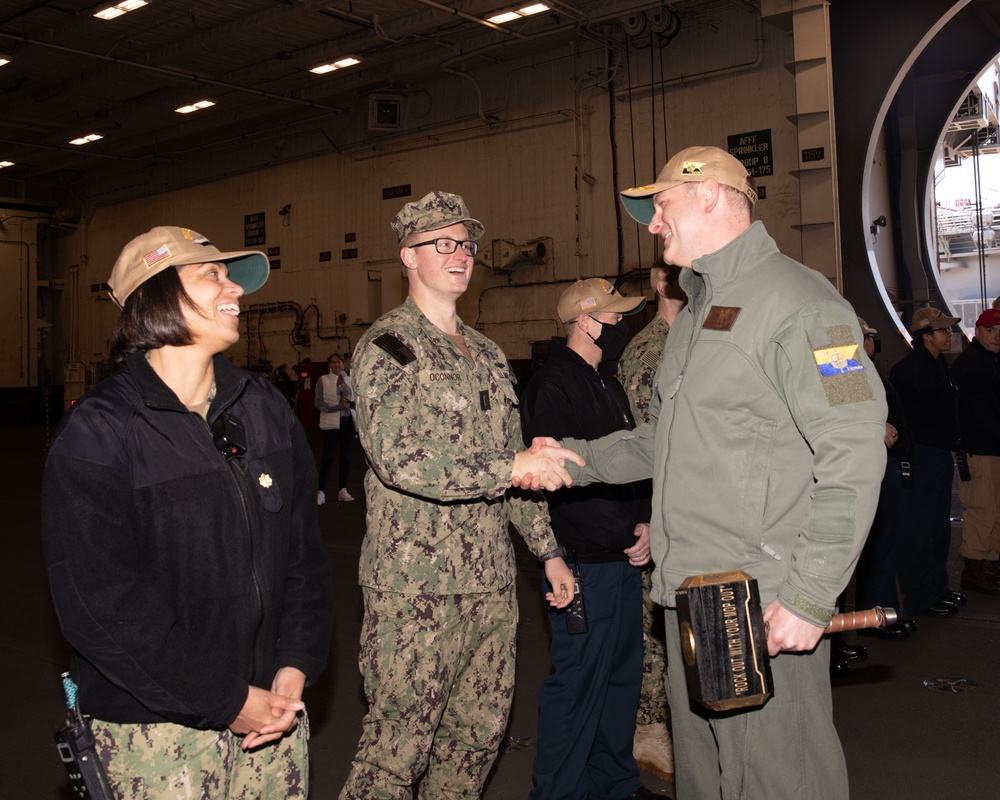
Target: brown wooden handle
877,617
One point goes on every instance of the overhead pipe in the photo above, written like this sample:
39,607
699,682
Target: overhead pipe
470,18
483,115
681,80
580,162
583,26
183,75
269,17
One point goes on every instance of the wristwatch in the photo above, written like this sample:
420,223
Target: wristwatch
559,552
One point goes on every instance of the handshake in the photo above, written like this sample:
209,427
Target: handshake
543,465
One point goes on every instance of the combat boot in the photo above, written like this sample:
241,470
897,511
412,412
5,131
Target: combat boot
981,575
654,751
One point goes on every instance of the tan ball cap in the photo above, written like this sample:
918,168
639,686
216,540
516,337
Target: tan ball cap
167,246
693,164
593,295
930,319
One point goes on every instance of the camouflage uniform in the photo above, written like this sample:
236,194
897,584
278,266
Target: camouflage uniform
636,370
437,564
638,364
163,761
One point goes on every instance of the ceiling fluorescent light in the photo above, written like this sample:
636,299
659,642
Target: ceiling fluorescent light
120,8
518,13
6,164
90,137
194,107
349,61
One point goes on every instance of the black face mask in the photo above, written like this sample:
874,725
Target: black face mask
613,338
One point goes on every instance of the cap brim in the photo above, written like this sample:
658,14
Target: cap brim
475,228
939,323
249,269
638,202
625,305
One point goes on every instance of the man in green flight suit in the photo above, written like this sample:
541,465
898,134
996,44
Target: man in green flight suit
765,448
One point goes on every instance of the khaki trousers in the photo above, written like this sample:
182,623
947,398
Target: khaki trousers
981,517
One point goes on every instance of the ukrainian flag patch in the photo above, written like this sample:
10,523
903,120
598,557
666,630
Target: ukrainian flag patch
842,373
838,360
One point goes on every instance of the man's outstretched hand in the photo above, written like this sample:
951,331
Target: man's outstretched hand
542,466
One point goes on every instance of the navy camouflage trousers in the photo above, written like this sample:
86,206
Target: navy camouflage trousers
163,761
439,677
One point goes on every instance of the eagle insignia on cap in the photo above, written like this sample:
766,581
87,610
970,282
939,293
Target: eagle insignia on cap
692,168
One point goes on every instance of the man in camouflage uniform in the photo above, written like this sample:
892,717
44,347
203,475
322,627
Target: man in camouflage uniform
438,420
652,748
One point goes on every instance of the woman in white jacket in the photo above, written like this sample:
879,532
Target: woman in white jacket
335,401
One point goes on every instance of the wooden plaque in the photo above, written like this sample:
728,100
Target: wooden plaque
723,641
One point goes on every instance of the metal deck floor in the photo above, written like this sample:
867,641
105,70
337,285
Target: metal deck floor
902,741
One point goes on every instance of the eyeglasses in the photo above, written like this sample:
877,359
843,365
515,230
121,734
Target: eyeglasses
869,335
448,246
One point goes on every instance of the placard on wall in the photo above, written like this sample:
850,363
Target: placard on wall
753,149
254,234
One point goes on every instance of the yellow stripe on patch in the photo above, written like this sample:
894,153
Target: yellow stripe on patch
836,360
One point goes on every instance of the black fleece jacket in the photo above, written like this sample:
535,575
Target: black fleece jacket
180,576
929,397
569,398
977,373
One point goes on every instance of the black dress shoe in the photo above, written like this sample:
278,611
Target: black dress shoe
941,608
896,631
955,598
838,668
909,624
848,653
